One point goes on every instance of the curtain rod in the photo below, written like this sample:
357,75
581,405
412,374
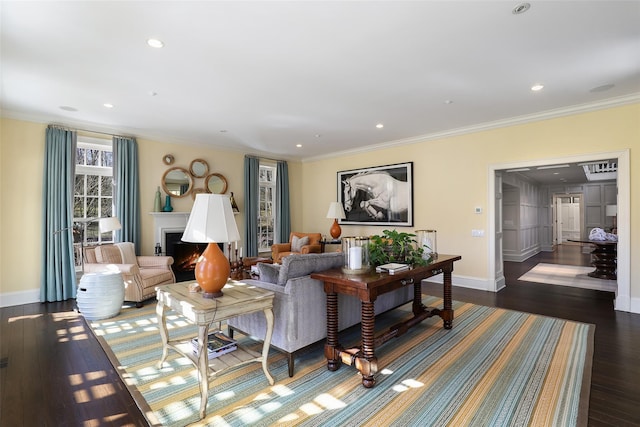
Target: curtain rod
90,131
264,158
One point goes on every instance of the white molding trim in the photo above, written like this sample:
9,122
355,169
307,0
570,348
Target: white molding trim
9,299
462,282
497,124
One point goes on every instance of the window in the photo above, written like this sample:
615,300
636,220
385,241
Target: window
266,207
93,191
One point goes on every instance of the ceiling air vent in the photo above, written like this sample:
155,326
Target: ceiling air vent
601,171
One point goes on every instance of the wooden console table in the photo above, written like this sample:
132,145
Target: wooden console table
238,299
367,287
603,257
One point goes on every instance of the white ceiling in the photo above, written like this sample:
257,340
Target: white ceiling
263,76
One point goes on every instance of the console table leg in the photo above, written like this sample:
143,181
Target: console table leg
369,369
331,347
447,311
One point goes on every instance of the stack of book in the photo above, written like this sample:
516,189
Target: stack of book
392,268
217,345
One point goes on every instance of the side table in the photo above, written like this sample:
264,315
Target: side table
238,299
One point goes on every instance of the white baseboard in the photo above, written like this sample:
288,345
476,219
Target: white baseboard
632,305
9,299
463,282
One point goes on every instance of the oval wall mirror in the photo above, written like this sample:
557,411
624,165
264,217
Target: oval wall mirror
177,182
199,168
216,184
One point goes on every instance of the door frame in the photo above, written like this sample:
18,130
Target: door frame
623,292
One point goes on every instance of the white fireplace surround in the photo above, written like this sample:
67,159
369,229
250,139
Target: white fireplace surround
168,222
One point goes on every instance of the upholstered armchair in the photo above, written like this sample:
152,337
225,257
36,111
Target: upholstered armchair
141,274
299,243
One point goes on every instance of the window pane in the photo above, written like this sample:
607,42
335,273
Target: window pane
107,185
92,185
79,156
92,207
107,159
79,185
105,207
92,232
78,207
93,157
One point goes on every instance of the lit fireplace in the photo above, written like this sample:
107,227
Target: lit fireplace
185,255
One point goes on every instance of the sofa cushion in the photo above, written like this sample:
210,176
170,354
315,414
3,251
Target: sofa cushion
108,254
297,265
128,252
298,242
268,272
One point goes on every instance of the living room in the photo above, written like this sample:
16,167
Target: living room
456,146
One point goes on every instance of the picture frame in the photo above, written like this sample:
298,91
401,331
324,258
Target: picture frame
379,195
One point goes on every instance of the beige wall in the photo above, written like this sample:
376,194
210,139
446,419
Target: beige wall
21,166
451,178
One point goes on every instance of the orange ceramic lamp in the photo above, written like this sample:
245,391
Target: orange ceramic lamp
211,221
336,212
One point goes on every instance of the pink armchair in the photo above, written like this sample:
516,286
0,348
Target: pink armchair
141,274
299,243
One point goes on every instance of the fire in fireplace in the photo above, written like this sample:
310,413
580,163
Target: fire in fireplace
185,255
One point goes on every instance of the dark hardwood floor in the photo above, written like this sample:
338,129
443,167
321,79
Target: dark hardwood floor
54,373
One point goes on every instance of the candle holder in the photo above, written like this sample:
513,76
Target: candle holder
356,255
428,241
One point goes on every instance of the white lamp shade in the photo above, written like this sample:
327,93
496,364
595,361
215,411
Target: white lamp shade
211,220
336,211
611,210
109,224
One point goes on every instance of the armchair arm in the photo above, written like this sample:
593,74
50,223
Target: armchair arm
276,248
161,262
311,249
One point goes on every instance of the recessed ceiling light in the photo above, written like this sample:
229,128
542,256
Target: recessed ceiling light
521,8
299,145
448,101
107,105
152,93
379,125
155,43
552,167
537,87
223,131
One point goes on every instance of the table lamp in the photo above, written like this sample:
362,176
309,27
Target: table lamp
211,221
336,212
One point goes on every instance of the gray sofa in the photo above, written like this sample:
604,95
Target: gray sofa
300,305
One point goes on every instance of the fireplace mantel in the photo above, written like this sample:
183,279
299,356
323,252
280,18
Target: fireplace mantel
168,222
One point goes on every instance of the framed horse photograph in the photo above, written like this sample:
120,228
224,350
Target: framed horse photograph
380,195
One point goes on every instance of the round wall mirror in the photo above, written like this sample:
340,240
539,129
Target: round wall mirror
216,184
199,168
177,182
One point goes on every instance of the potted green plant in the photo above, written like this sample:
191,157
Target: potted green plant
395,246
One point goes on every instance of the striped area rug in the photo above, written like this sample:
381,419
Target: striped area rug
494,368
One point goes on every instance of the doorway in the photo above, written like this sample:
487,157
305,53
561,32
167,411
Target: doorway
568,215
495,235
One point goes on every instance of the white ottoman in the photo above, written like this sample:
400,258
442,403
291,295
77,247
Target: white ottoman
100,295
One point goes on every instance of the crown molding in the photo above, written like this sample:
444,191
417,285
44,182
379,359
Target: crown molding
513,121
